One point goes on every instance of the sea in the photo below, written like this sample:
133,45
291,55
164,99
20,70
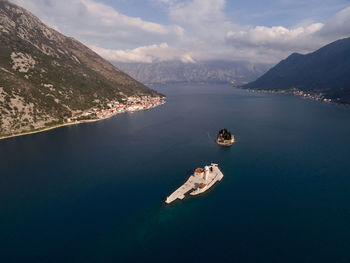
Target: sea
95,192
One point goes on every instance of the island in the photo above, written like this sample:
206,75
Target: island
198,183
225,138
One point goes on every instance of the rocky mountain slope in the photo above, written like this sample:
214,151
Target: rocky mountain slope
323,74
237,72
46,78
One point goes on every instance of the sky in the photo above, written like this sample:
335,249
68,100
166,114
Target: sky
196,30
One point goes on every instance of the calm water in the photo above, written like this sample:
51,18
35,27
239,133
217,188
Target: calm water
95,192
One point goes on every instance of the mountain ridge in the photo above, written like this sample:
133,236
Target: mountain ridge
47,78
323,73
235,72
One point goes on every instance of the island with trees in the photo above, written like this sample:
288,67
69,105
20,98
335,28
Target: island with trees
225,138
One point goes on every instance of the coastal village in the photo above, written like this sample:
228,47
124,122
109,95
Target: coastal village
296,92
129,104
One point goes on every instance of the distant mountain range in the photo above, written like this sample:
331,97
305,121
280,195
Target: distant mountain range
237,72
324,73
46,77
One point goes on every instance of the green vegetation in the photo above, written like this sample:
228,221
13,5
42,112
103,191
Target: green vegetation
224,134
60,76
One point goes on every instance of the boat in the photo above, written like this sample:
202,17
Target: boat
201,180
225,138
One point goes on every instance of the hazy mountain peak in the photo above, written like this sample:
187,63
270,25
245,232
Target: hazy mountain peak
235,72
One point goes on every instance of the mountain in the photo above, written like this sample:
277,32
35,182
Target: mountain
237,72
46,78
324,73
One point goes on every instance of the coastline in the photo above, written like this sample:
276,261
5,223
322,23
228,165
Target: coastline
301,94
44,129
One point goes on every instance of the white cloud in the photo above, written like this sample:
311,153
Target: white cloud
274,43
186,58
197,30
275,37
145,54
92,22
109,17
197,12
338,26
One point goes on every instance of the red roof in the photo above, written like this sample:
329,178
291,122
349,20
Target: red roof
199,170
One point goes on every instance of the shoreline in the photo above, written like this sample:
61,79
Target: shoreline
44,129
306,96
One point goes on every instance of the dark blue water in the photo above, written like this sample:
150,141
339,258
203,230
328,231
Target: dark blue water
95,192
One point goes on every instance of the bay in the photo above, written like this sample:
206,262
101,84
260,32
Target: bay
95,192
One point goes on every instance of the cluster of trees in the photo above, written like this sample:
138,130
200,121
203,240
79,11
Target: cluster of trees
225,134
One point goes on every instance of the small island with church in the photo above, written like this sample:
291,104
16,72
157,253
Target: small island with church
225,138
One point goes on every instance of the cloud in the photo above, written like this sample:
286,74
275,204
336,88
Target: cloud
197,12
145,54
195,30
93,22
274,43
299,38
338,26
109,17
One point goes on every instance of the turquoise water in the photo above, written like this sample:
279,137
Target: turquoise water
95,192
